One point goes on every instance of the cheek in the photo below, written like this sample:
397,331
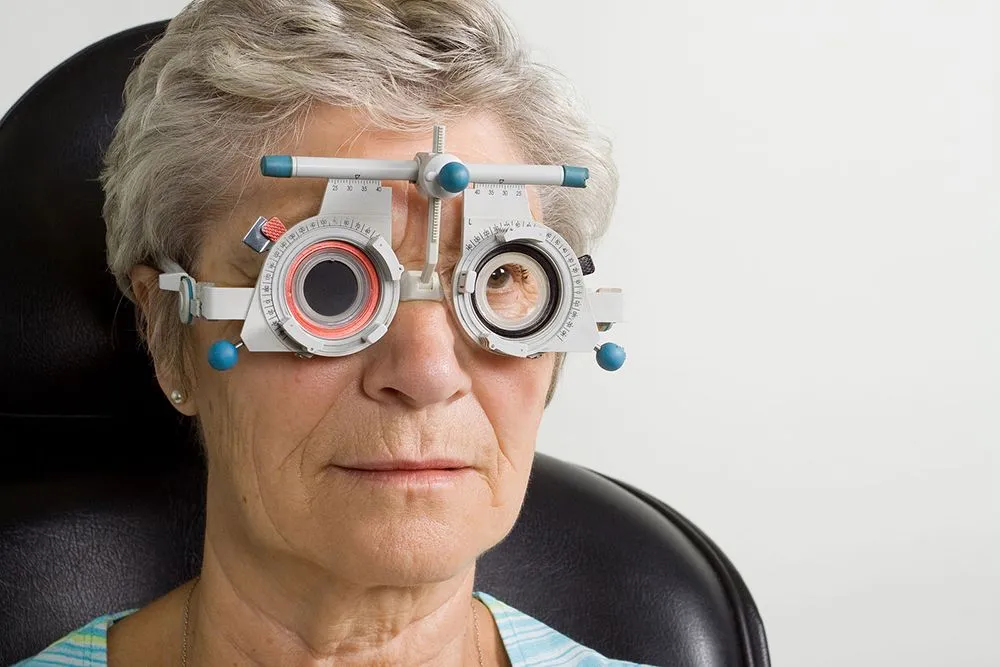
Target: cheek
262,410
512,393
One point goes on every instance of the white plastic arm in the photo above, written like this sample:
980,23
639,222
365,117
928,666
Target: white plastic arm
224,303
608,305
209,302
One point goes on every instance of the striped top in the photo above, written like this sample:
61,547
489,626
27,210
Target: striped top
529,643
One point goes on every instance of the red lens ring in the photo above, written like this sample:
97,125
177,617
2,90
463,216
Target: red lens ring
367,310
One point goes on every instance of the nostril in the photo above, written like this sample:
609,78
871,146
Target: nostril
416,398
393,394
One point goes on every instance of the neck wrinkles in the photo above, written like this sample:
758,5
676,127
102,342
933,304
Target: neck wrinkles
264,611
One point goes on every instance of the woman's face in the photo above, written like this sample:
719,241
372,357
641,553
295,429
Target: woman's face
280,430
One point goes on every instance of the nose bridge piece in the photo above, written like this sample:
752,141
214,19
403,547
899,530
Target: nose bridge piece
412,287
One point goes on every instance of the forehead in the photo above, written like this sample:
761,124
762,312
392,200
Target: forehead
338,132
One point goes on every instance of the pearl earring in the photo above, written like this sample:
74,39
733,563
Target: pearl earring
176,396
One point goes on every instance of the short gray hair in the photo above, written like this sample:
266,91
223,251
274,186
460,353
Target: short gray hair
229,79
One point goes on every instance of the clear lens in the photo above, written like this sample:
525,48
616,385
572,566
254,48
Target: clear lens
514,292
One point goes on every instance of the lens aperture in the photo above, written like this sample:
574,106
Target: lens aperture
515,294
332,289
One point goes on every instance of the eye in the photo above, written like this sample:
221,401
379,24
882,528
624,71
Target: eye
514,293
502,277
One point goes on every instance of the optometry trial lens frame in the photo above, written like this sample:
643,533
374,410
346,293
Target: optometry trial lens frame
330,284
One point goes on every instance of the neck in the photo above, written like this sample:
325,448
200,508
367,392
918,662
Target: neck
247,612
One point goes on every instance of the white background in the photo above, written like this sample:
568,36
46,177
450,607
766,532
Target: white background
808,239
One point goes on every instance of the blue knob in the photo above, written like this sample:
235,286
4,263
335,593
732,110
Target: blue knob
278,166
453,177
222,355
575,177
610,356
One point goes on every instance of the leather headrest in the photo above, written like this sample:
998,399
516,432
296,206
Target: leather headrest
70,363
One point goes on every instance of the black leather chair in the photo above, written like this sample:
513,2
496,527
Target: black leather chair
101,485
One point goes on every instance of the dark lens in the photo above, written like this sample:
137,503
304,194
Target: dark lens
330,288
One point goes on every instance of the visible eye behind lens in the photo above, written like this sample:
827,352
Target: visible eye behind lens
499,278
510,276
513,295
512,291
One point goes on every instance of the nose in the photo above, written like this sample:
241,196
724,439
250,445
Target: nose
417,362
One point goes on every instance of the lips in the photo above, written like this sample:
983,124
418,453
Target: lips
427,464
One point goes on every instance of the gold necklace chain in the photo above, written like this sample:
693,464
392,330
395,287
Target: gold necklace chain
475,624
187,612
187,615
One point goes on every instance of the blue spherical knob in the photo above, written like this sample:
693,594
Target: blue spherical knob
610,356
453,177
222,355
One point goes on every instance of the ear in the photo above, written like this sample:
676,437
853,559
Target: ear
152,305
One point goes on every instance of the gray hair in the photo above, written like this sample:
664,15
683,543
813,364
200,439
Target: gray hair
231,78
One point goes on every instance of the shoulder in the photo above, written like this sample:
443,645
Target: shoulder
531,643
85,646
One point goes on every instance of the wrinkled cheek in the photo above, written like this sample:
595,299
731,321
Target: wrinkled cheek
227,423
517,441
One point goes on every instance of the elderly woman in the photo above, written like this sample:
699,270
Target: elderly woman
349,494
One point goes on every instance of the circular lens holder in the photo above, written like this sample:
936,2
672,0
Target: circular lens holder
277,289
567,291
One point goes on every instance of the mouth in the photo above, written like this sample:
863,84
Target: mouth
432,474
389,466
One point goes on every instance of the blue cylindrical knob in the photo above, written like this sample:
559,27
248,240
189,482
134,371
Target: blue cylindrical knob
222,355
610,356
575,177
453,177
279,166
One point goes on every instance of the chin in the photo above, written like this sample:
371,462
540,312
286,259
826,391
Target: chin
420,553
413,574
422,565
